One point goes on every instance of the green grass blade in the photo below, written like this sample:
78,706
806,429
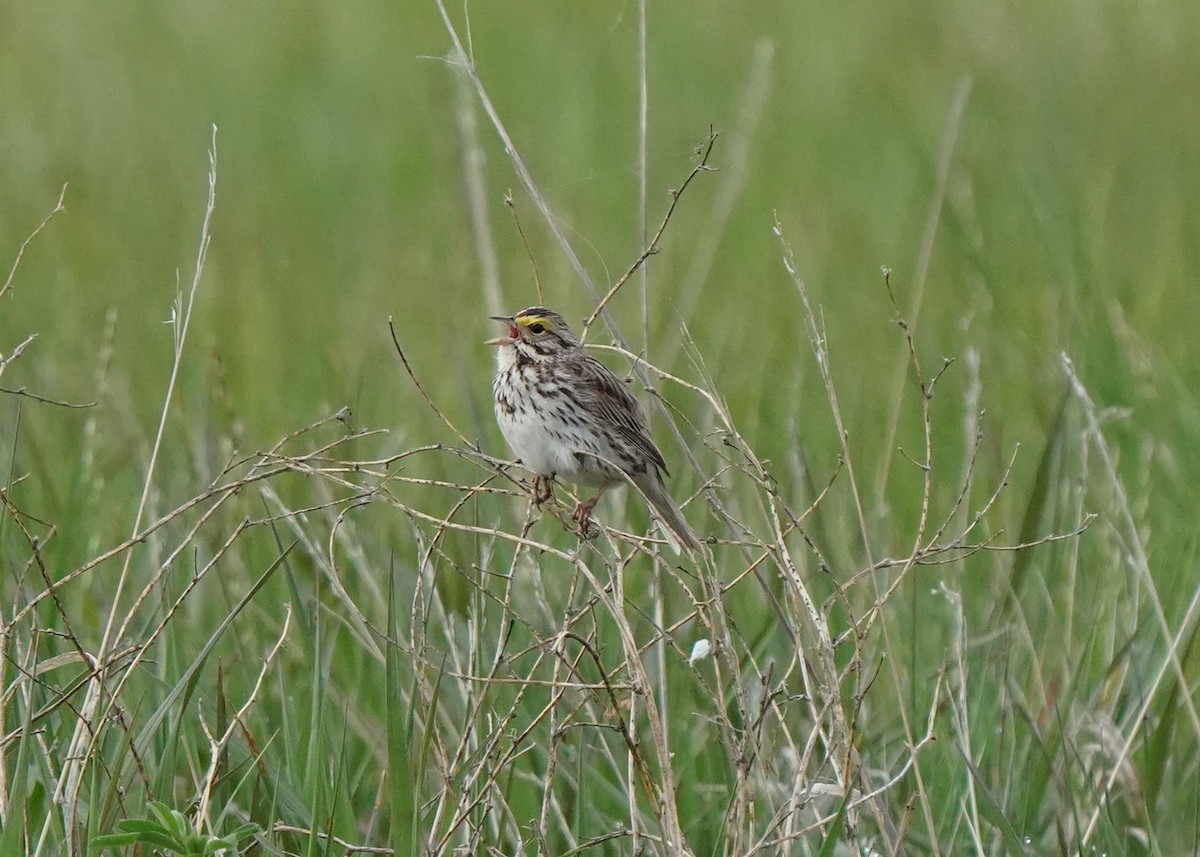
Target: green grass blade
995,813
187,683
1045,481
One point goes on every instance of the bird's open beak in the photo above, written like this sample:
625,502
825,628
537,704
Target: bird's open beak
512,331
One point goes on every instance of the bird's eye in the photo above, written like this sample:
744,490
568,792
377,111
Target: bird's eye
537,327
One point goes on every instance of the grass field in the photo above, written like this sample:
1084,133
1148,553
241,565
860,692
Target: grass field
919,349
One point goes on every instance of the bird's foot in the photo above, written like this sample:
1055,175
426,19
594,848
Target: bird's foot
543,489
582,516
588,530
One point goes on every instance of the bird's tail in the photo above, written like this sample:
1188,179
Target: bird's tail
671,521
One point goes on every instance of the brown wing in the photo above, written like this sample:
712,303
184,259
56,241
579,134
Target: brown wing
607,400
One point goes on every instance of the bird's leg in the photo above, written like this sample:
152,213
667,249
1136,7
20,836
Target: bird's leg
583,512
543,489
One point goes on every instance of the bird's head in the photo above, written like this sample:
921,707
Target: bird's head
537,332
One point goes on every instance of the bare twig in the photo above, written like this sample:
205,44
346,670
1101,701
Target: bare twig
425,393
217,745
704,151
21,391
477,196
351,847
12,272
463,59
949,142
537,281
16,352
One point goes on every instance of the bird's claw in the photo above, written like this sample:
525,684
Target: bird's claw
582,516
543,489
587,528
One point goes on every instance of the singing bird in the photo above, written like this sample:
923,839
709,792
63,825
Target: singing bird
565,415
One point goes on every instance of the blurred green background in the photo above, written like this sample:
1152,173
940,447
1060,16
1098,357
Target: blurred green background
1067,224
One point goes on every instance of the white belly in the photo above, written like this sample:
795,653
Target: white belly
538,450
548,443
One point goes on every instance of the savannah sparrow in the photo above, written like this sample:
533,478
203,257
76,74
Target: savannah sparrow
565,415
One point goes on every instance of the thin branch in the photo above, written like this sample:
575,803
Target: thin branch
464,60
704,150
217,746
425,393
537,280
352,848
12,272
16,352
21,391
933,217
